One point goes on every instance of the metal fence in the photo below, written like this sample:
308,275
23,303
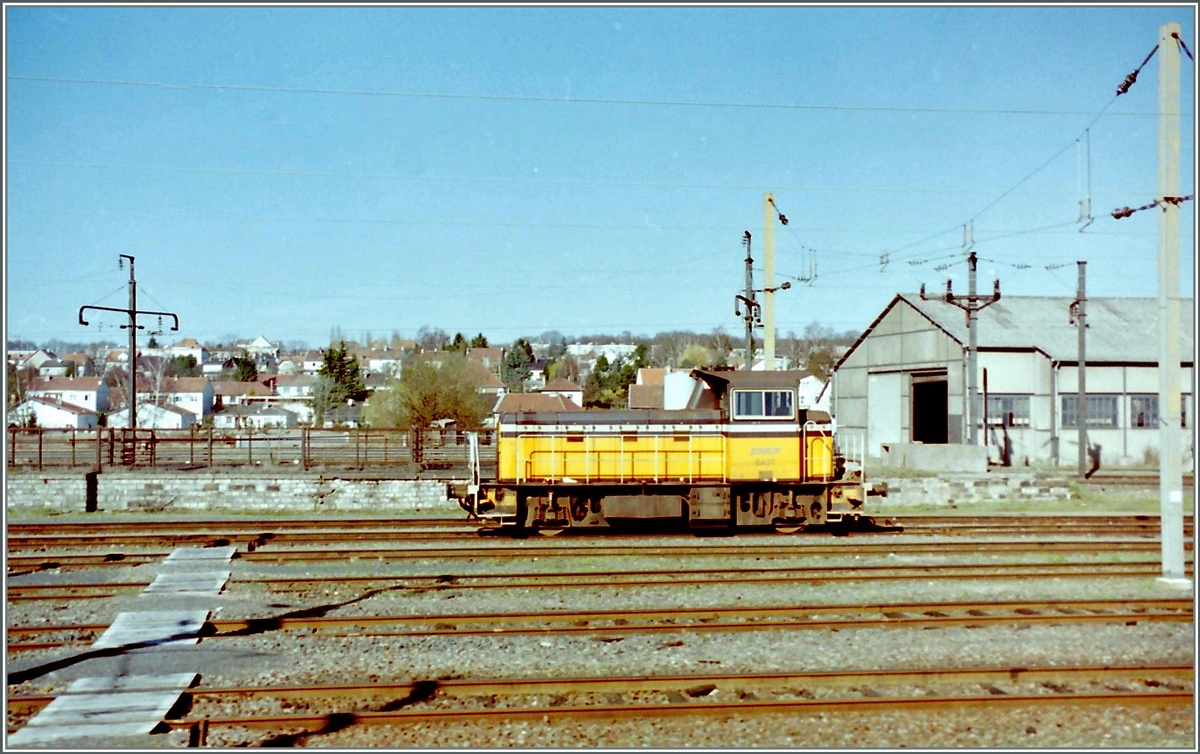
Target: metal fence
397,450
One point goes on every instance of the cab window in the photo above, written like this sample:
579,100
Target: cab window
763,404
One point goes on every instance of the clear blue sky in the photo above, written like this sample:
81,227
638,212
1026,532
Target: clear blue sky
513,170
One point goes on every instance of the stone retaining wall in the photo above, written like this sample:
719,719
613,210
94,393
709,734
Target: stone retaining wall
967,488
223,491
300,492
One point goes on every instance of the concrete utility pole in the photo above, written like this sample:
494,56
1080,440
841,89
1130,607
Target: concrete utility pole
1079,317
769,282
972,353
133,327
1169,410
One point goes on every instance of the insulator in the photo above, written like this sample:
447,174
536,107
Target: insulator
1128,82
1122,213
783,218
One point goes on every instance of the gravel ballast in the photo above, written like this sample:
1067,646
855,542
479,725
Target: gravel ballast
278,657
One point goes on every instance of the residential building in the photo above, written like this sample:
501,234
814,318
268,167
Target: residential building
313,361
535,403
194,394
188,347
565,389
295,385
491,358
230,393
155,416
51,413
242,416
89,392
53,368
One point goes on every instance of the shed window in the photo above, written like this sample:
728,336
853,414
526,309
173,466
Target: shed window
1143,411
763,404
1101,411
1008,410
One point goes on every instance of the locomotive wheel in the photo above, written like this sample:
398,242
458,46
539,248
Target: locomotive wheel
789,528
551,531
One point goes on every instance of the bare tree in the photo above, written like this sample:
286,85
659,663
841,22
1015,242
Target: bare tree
325,397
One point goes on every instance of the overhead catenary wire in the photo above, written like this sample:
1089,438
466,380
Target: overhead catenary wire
1123,88
536,98
288,172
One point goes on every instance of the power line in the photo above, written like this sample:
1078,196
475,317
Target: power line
511,179
547,100
1120,90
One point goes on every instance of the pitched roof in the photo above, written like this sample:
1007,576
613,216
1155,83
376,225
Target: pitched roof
494,354
301,380
187,343
561,385
163,405
645,396
480,375
184,384
69,407
1119,328
535,402
240,388
651,375
69,383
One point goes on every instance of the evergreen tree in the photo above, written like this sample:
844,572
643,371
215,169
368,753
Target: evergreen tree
479,341
244,368
515,369
341,368
458,345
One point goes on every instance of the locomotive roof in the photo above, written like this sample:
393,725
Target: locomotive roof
741,378
651,416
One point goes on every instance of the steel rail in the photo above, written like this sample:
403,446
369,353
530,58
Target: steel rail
704,624
319,723
458,688
253,540
241,524
751,618
31,563
645,578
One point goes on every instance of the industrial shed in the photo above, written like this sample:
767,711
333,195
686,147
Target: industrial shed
905,379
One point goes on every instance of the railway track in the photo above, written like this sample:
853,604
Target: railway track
788,547
664,620
459,699
254,534
642,578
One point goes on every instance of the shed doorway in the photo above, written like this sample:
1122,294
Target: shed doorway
930,409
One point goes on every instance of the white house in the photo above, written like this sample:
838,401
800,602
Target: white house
154,416
39,357
234,393
295,385
187,347
89,392
259,347
194,394
53,368
565,389
52,414
256,417
313,361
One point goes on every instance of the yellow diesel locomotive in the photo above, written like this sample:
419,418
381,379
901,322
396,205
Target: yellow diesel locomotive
742,454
